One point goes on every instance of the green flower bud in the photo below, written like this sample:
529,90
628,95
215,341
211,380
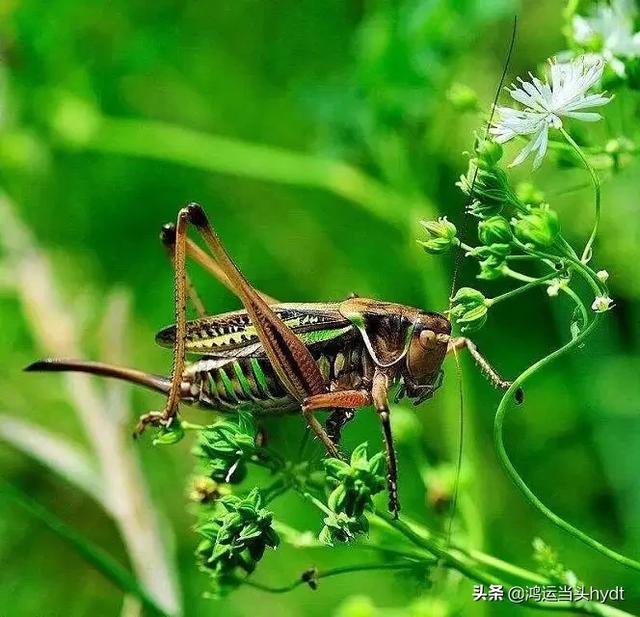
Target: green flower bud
226,439
493,259
359,457
488,151
469,308
337,468
550,565
469,297
462,97
226,447
235,537
337,498
489,187
529,193
495,229
540,227
441,236
491,268
341,527
352,486
168,435
620,150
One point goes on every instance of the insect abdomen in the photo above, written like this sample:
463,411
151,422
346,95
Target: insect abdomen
252,383
242,383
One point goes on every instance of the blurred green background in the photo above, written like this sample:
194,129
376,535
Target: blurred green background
314,84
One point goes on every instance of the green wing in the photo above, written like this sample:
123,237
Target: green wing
232,335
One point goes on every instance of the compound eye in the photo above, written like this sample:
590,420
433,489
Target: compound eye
427,339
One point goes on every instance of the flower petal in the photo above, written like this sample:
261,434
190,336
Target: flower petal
584,116
541,145
539,140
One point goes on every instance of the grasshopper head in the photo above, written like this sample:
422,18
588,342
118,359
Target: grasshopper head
427,349
409,339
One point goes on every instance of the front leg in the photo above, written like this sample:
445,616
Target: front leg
490,373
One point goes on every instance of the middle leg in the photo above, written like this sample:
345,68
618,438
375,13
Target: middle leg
336,422
380,396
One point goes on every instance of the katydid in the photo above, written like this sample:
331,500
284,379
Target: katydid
274,358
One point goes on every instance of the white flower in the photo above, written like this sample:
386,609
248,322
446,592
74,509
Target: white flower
610,28
602,304
564,94
553,290
602,275
554,287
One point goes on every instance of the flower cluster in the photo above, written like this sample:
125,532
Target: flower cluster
235,538
515,226
225,448
353,486
608,32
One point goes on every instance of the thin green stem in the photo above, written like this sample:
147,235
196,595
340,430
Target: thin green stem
503,567
595,180
570,189
317,503
306,578
190,426
585,271
447,555
468,249
94,555
579,304
515,476
520,257
568,249
589,276
455,559
518,276
519,290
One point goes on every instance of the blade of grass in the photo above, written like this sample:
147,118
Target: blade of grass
226,155
94,555
64,458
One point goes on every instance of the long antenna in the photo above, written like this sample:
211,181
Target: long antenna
458,259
